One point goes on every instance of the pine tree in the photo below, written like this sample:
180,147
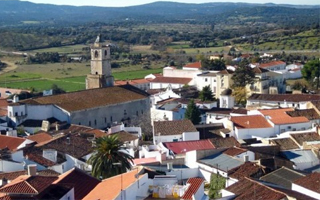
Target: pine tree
206,94
193,113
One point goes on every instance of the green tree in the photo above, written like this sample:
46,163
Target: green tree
215,64
193,113
56,89
311,71
206,94
240,95
217,183
109,151
243,75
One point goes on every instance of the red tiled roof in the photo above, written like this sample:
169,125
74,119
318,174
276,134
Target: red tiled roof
248,169
40,137
234,151
252,190
186,146
81,182
285,97
250,121
280,116
172,80
196,65
110,188
175,127
13,175
225,142
311,182
28,184
86,99
139,161
195,184
271,64
12,143
305,137
132,82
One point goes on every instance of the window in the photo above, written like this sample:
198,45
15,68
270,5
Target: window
21,113
137,113
111,118
142,112
105,120
89,123
79,123
16,114
282,130
175,140
205,79
289,127
105,52
294,129
96,54
125,112
95,122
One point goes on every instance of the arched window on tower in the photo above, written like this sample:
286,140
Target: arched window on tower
96,54
105,52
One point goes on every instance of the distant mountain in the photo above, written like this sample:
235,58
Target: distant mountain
14,12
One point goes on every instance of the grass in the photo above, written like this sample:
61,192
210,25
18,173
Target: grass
44,84
63,49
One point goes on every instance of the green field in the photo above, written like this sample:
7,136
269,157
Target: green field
62,50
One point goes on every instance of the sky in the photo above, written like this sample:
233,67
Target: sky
122,3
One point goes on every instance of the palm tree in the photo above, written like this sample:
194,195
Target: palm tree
109,158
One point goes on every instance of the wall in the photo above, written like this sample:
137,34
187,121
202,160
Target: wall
254,132
292,127
184,173
9,166
276,104
23,144
250,154
69,195
154,85
305,191
102,117
200,192
185,73
226,101
188,136
305,165
17,156
166,138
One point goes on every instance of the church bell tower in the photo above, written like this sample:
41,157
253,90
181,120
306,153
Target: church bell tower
100,75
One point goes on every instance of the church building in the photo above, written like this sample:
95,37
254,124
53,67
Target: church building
100,105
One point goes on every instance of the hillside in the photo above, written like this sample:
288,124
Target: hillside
15,12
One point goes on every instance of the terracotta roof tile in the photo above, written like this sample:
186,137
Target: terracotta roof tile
271,64
174,80
40,137
252,190
28,184
234,151
186,146
248,169
225,142
250,121
310,114
305,137
280,116
285,97
86,99
195,184
12,143
311,182
196,65
83,183
285,143
176,127
117,183
16,174
132,82
124,136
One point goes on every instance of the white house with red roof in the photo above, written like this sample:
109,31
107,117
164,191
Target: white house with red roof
273,65
283,120
251,126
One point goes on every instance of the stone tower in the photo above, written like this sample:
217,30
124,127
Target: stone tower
100,75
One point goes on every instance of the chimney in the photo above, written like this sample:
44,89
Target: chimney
32,170
15,99
246,158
